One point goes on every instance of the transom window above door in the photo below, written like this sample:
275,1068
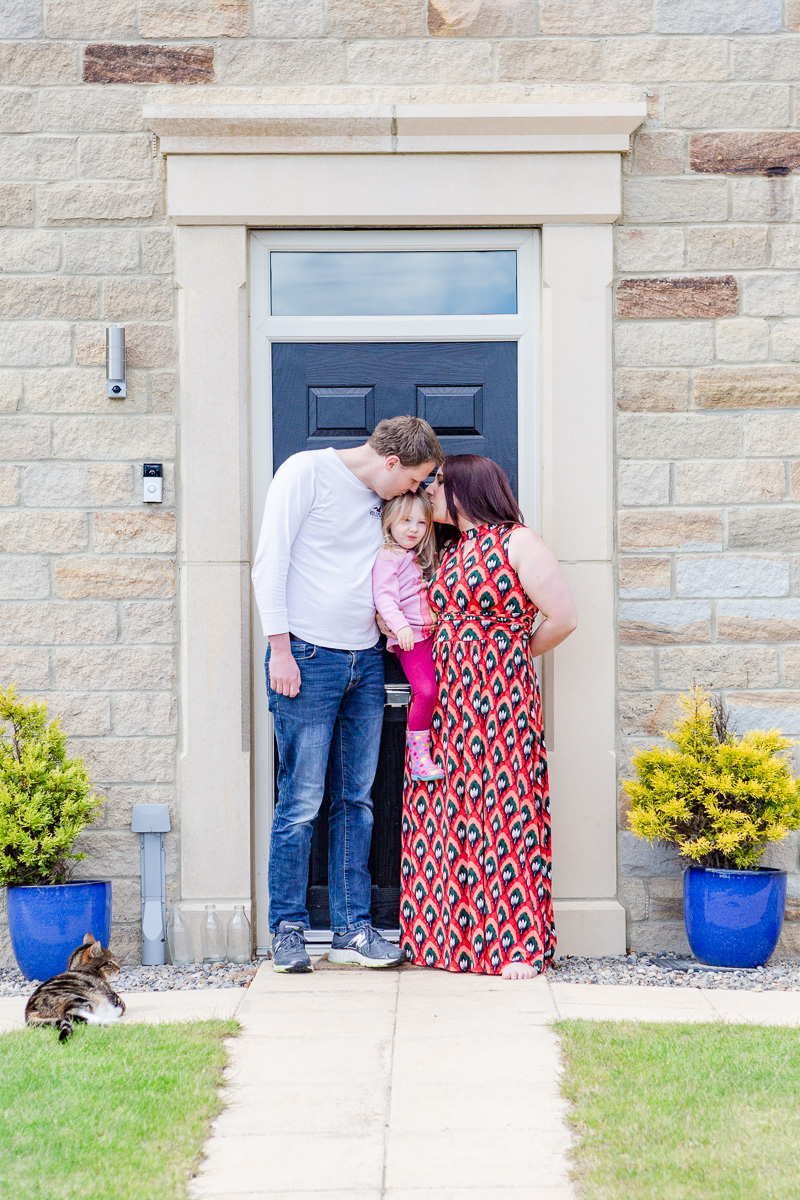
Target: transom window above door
393,283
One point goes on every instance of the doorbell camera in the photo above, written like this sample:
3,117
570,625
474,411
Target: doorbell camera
152,483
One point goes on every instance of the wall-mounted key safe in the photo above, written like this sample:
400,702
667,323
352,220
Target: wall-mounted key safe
152,483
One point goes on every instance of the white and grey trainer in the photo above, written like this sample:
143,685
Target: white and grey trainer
365,947
289,952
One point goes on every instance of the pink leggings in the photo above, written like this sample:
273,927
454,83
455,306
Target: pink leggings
420,673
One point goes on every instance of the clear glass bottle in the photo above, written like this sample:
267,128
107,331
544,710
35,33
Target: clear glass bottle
179,939
239,950
213,936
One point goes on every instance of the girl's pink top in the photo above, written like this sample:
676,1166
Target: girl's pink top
401,594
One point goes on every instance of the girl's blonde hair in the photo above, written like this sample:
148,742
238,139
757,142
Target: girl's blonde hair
400,506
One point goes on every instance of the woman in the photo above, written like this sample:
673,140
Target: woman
476,871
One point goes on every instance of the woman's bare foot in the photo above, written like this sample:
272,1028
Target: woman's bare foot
519,970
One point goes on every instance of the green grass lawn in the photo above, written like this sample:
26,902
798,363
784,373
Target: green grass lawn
115,1113
684,1112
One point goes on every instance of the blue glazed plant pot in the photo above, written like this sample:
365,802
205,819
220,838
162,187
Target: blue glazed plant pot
733,918
47,923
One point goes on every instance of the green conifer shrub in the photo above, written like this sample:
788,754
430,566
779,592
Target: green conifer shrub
46,798
718,796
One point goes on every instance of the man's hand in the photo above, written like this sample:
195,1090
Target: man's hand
284,673
405,637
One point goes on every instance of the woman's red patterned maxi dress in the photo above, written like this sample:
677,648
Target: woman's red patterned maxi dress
476,865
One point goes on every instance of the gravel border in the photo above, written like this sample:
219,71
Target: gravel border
153,979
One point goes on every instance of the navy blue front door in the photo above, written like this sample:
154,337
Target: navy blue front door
333,394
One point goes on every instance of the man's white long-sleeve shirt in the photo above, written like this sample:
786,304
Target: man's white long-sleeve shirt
313,568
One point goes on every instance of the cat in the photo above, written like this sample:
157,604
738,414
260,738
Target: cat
80,993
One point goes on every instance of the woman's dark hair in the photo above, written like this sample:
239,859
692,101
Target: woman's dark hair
480,489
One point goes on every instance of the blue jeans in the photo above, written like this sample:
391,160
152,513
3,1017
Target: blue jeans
333,724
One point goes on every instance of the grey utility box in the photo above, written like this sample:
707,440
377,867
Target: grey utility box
151,822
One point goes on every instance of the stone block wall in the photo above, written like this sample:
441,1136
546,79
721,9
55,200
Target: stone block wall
707,347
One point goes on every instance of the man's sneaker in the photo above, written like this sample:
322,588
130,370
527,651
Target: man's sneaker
289,948
365,947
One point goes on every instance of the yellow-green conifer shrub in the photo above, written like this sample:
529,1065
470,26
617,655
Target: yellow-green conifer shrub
720,797
46,798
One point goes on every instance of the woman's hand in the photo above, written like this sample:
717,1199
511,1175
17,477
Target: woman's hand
544,582
384,628
405,638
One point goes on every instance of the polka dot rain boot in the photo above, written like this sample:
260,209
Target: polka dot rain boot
422,765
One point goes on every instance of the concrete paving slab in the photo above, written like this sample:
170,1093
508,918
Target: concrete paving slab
459,1061
612,1003
266,1060
462,1160
440,1106
756,1008
361,1022
341,1108
285,1162
154,1008
12,1013
531,1192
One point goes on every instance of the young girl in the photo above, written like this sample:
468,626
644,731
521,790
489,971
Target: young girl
400,591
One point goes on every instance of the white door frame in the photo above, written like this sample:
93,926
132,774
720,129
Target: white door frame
524,328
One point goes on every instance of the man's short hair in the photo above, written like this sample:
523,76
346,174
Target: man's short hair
410,438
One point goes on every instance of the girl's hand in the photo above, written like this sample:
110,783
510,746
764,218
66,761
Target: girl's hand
405,637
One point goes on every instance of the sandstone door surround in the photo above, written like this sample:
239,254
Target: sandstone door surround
233,167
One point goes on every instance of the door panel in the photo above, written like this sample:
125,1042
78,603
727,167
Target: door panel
333,394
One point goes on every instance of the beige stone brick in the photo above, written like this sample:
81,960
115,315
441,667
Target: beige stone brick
634,895
9,486
671,529
747,387
636,669
38,157
113,668
25,438
739,152
280,62
16,204
766,58
115,156
27,667
24,577
145,345
21,19
425,62
548,58
659,154
481,18
376,18
138,299
665,59
772,434
18,110
85,19
658,937
141,437
774,528
651,201
138,714
767,710
77,485
148,621
664,343
126,901
29,250
746,481
761,199
652,391
643,483
678,435
786,246
134,532
157,254
726,575
35,344
110,578
40,623
81,713
718,16
89,201
56,296
758,620
32,63
742,340
649,249
774,295
678,296
647,716
721,106
81,389
666,899
25,532
660,622
727,247
100,251
792,14
91,108
194,18
595,16
289,18
790,664
10,391
715,667
162,391
642,578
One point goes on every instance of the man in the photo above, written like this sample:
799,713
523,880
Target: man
313,583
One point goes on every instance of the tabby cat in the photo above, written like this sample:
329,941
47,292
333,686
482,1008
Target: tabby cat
80,993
